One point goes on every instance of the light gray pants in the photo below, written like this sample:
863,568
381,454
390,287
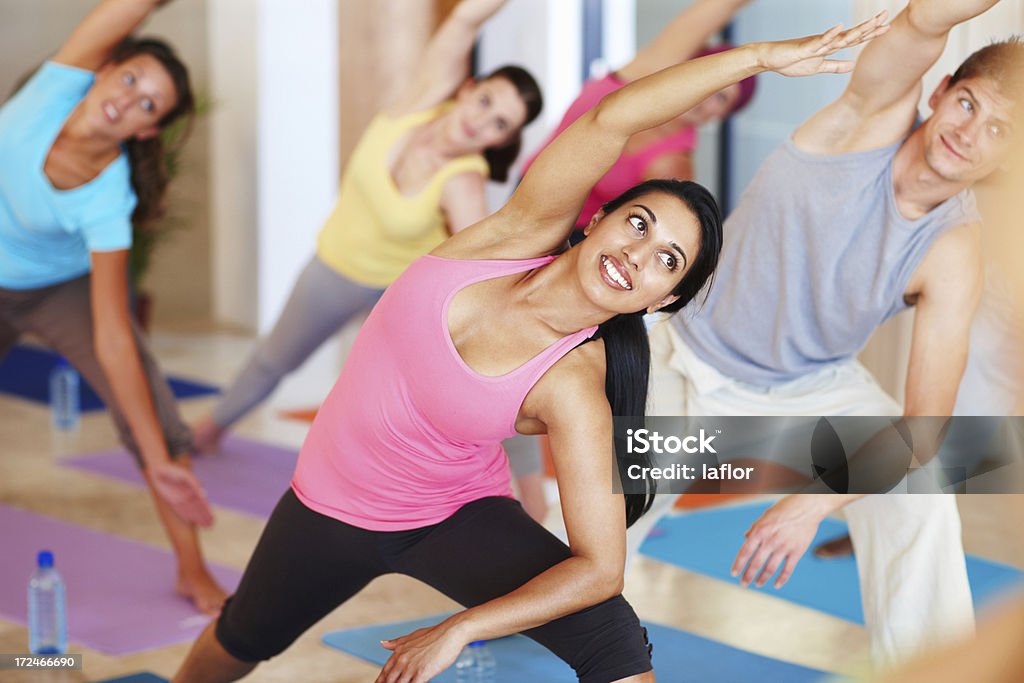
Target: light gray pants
320,304
61,316
910,556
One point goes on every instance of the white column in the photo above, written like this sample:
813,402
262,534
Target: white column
619,39
297,154
274,147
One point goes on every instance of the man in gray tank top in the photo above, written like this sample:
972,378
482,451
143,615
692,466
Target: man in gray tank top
863,212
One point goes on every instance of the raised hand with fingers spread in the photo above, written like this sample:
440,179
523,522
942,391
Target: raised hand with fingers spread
809,56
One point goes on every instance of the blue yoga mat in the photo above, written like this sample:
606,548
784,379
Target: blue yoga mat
25,372
137,678
706,542
679,657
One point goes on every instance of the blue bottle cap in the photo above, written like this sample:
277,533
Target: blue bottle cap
62,362
44,559
478,643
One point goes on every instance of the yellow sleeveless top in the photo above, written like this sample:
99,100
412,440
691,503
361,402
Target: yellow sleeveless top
375,231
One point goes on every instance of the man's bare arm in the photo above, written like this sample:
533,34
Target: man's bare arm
880,102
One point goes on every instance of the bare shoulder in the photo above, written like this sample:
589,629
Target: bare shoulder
464,200
477,241
508,233
572,386
844,125
953,268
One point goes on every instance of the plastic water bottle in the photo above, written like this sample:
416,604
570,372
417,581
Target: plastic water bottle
47,625
476,664
64,408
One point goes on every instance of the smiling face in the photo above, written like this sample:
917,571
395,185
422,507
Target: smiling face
487,114
634,257
129,98
969,134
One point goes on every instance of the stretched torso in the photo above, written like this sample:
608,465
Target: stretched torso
823,234
410,432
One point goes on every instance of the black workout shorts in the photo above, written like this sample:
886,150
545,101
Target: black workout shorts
306,564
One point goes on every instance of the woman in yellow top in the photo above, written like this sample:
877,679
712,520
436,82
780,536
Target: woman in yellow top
416,176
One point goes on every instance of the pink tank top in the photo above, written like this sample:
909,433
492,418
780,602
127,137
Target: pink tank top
410,433
630,169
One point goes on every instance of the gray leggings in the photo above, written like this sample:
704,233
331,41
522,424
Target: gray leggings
61,316
320,304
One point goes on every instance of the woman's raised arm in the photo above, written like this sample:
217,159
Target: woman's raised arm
552,193
91,43
445,63
681,38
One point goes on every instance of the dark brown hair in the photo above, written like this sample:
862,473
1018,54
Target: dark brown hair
1002,61
148,157
500,159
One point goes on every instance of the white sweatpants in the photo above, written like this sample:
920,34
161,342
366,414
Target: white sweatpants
909,551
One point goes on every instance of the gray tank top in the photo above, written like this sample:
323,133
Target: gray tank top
816,256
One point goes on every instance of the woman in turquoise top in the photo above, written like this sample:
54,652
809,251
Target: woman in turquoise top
80,162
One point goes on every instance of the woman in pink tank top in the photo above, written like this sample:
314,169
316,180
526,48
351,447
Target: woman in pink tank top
664,151
479,339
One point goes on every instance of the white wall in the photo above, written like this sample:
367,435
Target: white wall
620,31
274,150
297,155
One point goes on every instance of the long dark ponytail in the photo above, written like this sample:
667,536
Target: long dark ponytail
627,356
626,347
148,158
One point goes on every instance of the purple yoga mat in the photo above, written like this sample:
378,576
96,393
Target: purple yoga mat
244,475
120,594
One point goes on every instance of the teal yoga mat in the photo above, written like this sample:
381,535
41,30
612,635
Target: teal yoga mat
679,657
706,542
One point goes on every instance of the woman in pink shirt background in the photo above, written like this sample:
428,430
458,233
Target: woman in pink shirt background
666,150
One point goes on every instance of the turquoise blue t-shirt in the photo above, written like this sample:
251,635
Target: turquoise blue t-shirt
46,234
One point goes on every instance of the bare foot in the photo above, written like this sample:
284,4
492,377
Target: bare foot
206,436
202,590
837,547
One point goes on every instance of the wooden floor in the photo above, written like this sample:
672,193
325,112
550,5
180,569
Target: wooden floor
30,479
